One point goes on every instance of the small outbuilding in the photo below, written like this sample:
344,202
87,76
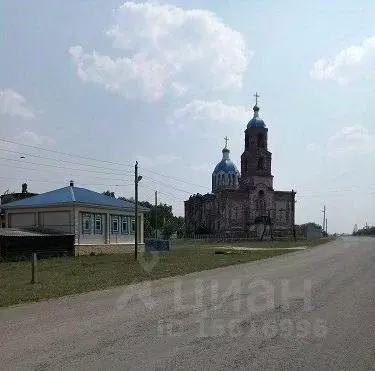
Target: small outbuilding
99,223
20,243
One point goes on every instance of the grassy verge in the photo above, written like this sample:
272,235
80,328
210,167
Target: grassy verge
311,242
64,276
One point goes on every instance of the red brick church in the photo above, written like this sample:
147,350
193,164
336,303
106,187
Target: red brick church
239,202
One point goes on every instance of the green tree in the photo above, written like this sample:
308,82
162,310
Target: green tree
109,193
366,231
159,217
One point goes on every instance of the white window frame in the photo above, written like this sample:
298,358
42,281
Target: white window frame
98,218
86,217
132,225
117,230
125,219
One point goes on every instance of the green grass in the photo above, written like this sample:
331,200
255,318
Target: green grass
63,276
255,244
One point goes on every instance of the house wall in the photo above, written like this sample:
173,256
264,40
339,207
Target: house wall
56,218
25,219
108,234
70,219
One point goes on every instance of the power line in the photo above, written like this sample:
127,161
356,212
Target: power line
63,153
61,160
102,161
312,194
89,170
179,198
167,185
58,166
176,179
99,160
43,171
59,182
155,181
95,184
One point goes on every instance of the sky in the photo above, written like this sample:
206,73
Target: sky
88,87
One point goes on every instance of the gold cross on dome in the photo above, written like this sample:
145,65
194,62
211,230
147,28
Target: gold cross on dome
226,141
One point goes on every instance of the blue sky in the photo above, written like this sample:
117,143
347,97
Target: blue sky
164,82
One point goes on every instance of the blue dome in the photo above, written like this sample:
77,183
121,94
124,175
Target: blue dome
256,122
227,166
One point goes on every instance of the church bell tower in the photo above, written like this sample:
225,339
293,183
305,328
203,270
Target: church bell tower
256,160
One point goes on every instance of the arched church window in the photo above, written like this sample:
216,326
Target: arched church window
260,140
261,163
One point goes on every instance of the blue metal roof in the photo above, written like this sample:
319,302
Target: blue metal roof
72,195
227,166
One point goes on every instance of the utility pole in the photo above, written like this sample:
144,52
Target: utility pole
137,179
156,215
324,218
294,214
327,226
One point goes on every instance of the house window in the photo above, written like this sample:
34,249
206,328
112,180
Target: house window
86,223
132,230
98,224
115,224
124,225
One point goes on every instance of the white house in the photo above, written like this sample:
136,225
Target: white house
100,224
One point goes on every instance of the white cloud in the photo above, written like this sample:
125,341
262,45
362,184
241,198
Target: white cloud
34,139
163,159
165,49
351,140
212,111
351,63
14,104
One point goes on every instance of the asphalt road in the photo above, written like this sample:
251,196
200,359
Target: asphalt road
240,317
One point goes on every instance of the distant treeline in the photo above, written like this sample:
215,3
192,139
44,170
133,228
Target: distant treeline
367,231
159,218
